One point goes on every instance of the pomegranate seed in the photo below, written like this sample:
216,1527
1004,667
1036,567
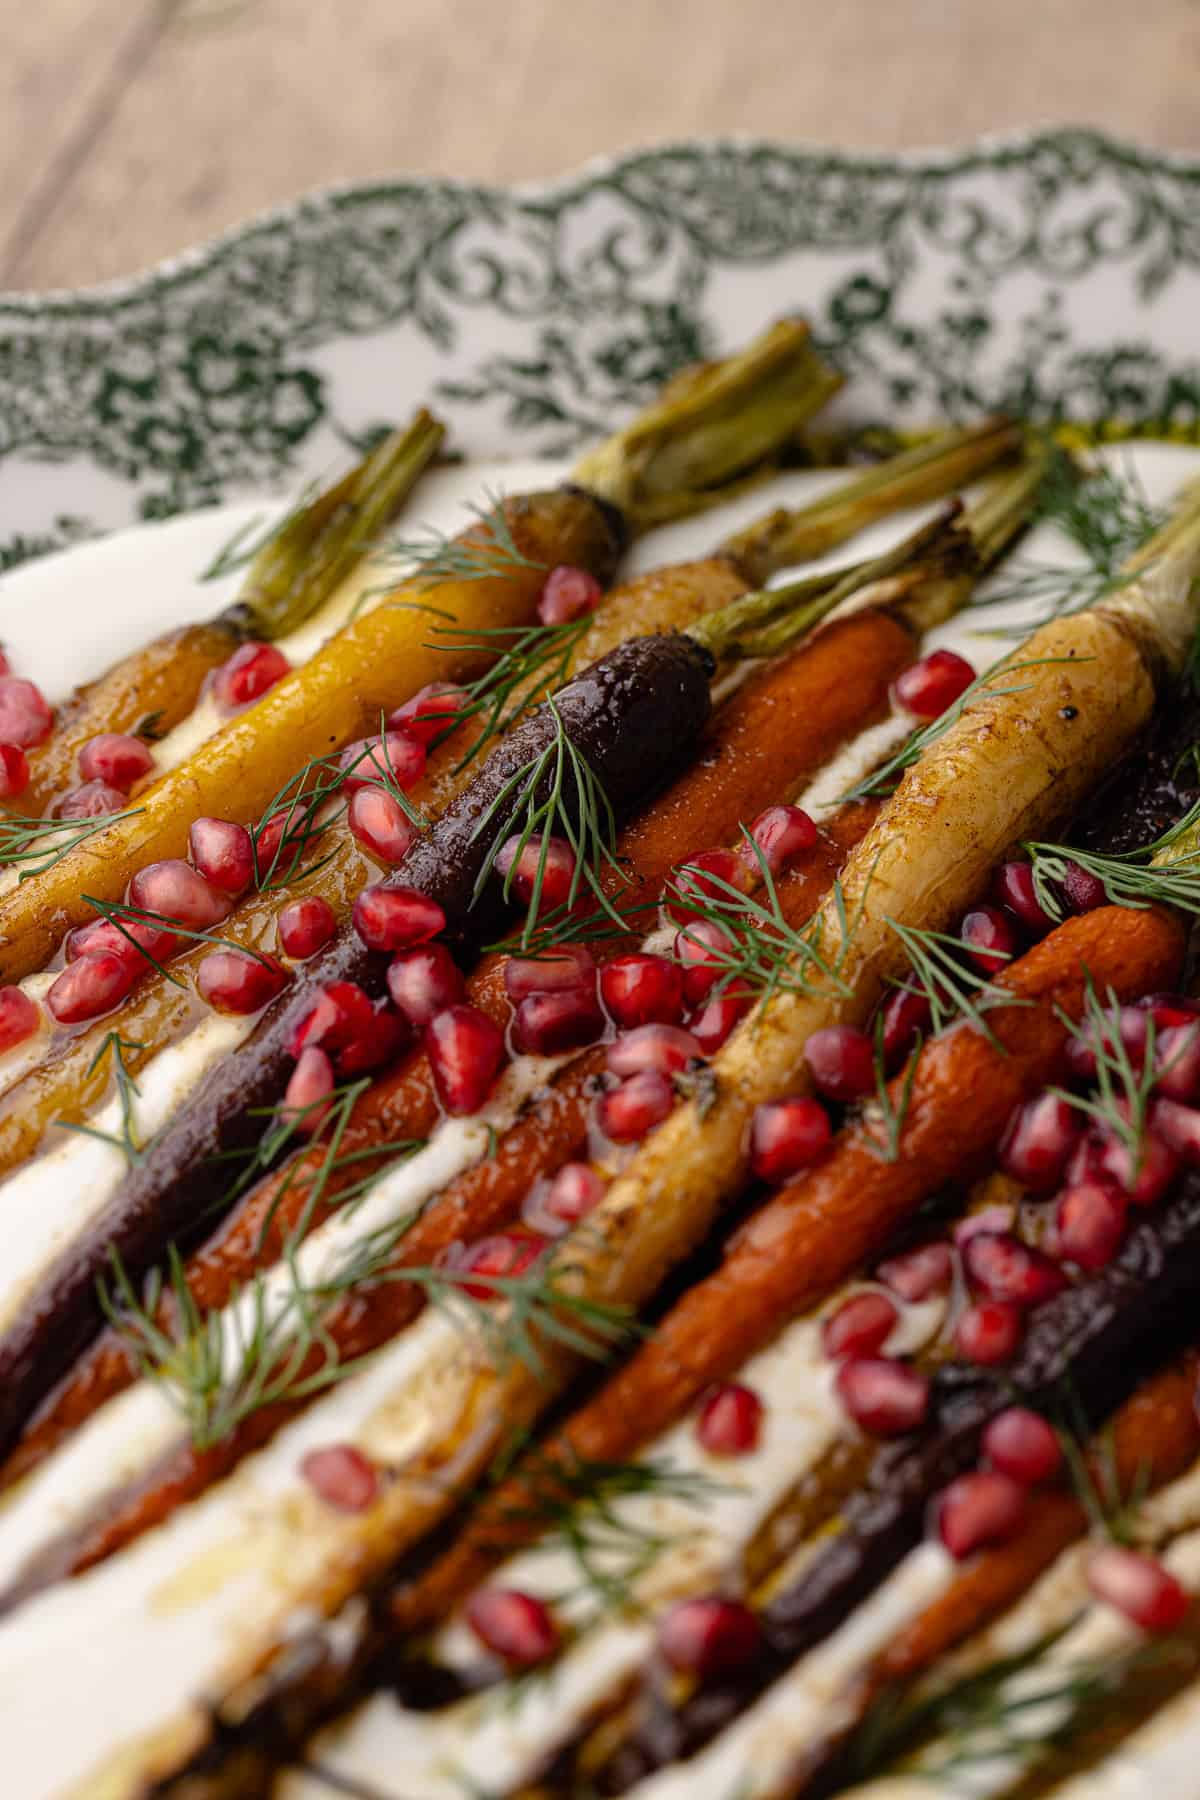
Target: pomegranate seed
639,989
906,1016
135,939
424,981
116,758
19,1017
1177,1061
311,1082
1138,1586
337,1017
989,1332
380,824
1131,1032
516,1627
780,835
90,986
392,918
988,1219
920,1273
249,672
552,1207
667,1048
548,1024
14,771
1038,1141
627,1113
989,937
343,1477
928,687
174,891
860,1326
984,1507
787,1136
715,1022
1178,1127
466,1053
396,759
223,852
384,1034
25,717
701,879
1169,1009
730,1421
1084,892
94,800
306,926
702,951
233,981
518,868
569,593
432,710
1143,1178
1021,1444
569,967
1089,1224
1006,1269
709,1636
882,1396
492,1261
276,860
1016,892
841,1062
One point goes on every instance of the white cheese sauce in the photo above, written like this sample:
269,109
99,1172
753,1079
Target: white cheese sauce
499,1739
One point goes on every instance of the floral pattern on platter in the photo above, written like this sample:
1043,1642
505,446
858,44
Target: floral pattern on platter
1056,274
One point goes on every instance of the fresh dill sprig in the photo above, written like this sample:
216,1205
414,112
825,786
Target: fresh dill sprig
303,796
762,951
1107,516
883,780
952,990
1123,1088
538,1310
1130,878
1091,1463
566,925
575,1502
532,660
1015,1709
32,846
555,794
883,1111
487,548
220,1367
126,1140
117,912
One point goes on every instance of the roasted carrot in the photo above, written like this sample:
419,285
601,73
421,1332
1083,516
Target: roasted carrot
293,574
1151,1439
814,1232
401,1103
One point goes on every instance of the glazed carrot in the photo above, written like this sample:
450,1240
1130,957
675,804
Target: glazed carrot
290,578
401,1103
1152,1439
366,669
817,1230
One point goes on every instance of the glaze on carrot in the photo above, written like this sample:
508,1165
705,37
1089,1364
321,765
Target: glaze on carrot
778,729
815,1231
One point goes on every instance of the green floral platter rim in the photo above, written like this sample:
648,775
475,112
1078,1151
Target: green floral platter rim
1055,273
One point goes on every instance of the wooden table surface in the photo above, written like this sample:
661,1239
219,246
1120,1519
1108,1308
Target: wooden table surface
131,128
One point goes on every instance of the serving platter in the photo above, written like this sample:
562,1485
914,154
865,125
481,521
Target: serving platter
150,426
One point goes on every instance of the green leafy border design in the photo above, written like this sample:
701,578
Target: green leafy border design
1055,274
